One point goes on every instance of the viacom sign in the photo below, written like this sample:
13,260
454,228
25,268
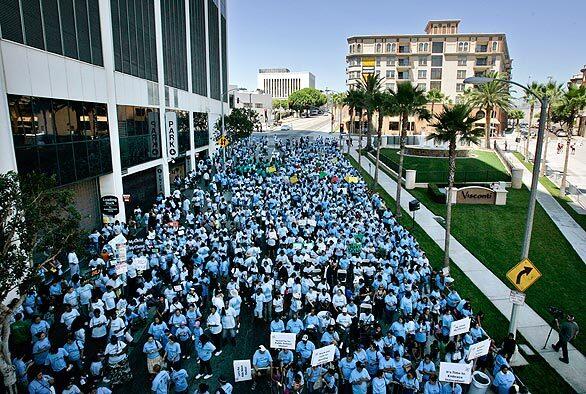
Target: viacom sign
171,127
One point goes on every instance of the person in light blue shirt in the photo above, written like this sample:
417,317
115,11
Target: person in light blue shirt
409,382
426,368
205,349
432,386
41,349
173,351
42,384
160,384
304,348
398,328
448,388
347,365
359,379
157,328
261,359
75,349
447,320
56,359
312,375
179,378
39,326
285,357
295,325
503,380
379,383
277,325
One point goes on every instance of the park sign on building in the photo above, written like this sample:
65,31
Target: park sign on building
154,145
172,140
475,195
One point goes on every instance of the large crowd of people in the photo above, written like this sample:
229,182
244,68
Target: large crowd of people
286,232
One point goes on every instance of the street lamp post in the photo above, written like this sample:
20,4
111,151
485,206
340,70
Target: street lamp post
544,101
225,94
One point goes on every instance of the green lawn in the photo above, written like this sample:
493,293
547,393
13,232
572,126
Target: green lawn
555,192
494,235
539,376
484,166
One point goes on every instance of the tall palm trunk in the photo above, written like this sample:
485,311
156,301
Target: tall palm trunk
452,171
350,129
563,185
360,137
402,142
378,143
487,118
369,130
531,109
545,143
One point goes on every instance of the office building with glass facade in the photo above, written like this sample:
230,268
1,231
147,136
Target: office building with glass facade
86,87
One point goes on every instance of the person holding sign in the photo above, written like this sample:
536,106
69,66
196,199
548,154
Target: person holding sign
262,363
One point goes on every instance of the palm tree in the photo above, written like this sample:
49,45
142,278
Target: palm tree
410,101
516,115
454,124
435,96
338,102
371,85
488,97
386,106
566,112
531,100
354,100
554,91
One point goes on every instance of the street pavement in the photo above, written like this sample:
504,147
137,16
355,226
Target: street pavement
555,161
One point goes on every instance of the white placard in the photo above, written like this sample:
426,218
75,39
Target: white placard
323,355
455,373
517,297
121,268
242,370
311,222
283,340
172,134
119,239
121,249
460,326
141,263
479,349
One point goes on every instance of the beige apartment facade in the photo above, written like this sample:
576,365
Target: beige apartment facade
441,59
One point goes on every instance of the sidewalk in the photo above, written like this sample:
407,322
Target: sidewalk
531,325
575,234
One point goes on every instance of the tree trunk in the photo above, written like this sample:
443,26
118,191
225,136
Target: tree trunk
451,173
350,130
531,109
369,130
566,160
378,143
487,118
360,138
402,142
545,143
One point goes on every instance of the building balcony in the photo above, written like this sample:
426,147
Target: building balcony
402,65
482,65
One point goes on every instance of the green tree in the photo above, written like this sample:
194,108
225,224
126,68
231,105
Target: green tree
554,92
566,112
37,222
386,105
531,100
240,123
283,104
338,103
435,96
371,85
516,115
453,125
304,99
488,97
353,100
410,101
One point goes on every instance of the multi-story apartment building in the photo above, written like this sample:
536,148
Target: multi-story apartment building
281,82
112,97
580,80
439,59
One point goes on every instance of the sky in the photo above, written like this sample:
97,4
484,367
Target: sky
546,39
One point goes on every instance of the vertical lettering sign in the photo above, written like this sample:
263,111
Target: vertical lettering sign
160,180
154,145
171,127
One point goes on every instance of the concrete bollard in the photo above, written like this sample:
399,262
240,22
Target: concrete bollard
516,178
410,176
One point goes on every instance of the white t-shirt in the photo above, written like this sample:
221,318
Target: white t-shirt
214,322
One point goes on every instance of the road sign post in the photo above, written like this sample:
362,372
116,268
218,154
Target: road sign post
522,276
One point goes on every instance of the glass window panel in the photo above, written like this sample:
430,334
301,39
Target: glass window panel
62,122
66,163
27,159
10,21
81,160
52,27
93,157
77,119
82,30
68,28
21,117
437,47
33,27
43,118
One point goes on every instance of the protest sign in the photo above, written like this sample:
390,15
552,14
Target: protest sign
121,268
283,340
323,355
121,249
242,370
455,373
460,326
141,263
294,179
119,239
479,349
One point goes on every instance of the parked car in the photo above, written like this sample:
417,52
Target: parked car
561,133
285,127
